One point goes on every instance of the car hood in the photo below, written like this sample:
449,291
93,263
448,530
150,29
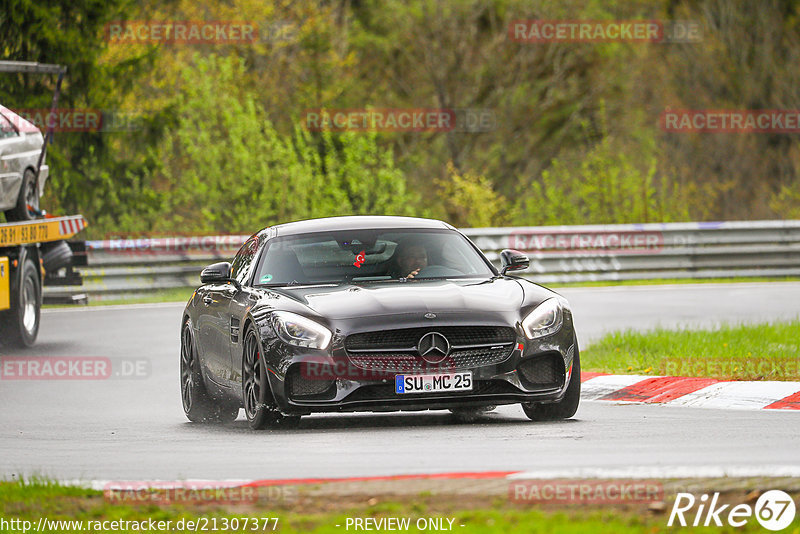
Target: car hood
497,297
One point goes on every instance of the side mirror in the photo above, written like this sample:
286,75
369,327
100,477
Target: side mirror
513,260
217,273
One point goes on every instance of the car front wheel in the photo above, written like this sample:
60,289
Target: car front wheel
259,406
565,408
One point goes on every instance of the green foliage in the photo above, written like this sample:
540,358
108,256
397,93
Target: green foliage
227,169
786,202
469,200
575,139
67,32
606,185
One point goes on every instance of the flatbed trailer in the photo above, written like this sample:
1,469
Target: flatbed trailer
22,273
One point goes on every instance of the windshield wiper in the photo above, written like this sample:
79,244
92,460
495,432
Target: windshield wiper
295,283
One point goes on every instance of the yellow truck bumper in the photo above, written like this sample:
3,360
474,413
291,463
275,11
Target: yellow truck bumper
40,230
5,284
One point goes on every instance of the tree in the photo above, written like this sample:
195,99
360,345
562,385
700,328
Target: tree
227,169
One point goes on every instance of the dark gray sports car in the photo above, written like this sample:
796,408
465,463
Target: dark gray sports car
373,314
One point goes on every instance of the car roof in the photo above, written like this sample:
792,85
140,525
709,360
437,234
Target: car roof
356,222
21,124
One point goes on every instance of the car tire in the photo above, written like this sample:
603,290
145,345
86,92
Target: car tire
19,327
259,404
566,407
198,405
56,255
28,195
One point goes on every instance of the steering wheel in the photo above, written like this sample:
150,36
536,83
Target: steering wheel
433,271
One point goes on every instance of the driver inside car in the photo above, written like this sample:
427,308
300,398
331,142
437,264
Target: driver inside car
409,258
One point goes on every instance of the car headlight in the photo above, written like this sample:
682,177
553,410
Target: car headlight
544,320
301,332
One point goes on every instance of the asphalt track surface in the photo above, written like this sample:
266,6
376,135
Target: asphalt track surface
134,428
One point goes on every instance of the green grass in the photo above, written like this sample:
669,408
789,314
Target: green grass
34,499
180,294
767,351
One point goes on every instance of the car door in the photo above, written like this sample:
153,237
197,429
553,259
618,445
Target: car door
217,329
240,303
213,330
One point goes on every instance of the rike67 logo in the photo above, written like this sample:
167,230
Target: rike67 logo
774,510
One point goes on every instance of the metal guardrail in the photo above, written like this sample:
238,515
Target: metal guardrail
558,254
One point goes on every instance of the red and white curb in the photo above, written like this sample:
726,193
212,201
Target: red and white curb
691,391
235,483
632,472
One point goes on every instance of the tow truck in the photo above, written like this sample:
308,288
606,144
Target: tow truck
22,274
32,243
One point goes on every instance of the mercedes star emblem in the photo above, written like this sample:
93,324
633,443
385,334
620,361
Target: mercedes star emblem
433,347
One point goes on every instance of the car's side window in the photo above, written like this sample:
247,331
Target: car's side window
6,128
244,259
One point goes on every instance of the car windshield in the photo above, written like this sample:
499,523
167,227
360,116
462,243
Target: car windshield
369,256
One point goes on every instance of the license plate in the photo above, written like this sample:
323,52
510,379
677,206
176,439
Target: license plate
433,383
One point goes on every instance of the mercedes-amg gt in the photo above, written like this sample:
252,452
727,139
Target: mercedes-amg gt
373,314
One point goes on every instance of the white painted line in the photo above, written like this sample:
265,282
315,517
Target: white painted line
738,395
116,307
640,288
680,471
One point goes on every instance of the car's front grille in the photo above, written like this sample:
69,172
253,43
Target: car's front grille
387,391
386,361
545,371
308,386
411,363
396,350
408,338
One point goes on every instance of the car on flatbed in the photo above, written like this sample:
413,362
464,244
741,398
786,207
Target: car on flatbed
21,145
